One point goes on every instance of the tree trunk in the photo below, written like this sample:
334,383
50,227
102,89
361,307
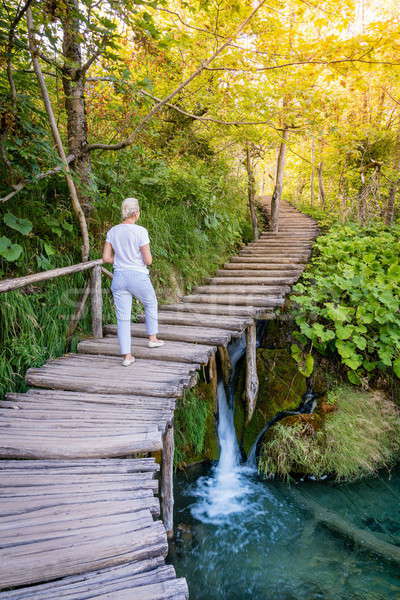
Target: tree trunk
312,177
276,196
394,187
57,138
322,197
251,193
74,88
362,200
300,189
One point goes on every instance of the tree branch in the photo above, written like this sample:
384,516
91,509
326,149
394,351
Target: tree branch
57,138
204,64
208,119
304,62
20,186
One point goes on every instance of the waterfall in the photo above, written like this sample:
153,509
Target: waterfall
225,492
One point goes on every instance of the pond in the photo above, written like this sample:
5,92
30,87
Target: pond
265,545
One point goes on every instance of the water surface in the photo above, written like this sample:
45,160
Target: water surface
243,539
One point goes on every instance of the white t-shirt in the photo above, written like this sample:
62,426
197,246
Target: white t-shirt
126,240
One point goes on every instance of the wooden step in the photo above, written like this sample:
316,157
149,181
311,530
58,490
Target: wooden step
236,299
265,265
148,579
199,319
227,279
279,260
56,524
106,375
291,275
183,333
171,351
244,289
214,309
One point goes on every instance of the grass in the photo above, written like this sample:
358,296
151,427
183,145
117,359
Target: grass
194,426
357,439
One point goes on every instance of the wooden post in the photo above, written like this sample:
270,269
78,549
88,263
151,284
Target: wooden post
97,302
226,365
276,196
167,480
251,370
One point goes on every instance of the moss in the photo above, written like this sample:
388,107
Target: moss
280,388
195,430
353,435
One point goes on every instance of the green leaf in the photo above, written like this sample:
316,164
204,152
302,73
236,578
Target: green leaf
50,251
396,367
360,341
343,332
353,378
308,366
24,226
8,250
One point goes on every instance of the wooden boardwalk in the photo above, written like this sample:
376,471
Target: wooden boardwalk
77,512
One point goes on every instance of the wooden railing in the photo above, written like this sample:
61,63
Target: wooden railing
93,288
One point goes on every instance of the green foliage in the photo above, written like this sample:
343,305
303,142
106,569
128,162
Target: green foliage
361,436
347,302
191,421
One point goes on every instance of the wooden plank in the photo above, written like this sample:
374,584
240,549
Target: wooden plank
57,446
281,260
214,309
113,465
85,582
48,559
199,319
96,302
262,300
198,335
242,289
19,282
105,399
264,281
136,577
287,276
167,481
41,506
171,351
265,265
252,383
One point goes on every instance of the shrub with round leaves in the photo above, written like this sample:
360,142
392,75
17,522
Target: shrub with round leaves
348,299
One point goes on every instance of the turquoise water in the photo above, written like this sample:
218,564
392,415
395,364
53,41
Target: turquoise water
274,548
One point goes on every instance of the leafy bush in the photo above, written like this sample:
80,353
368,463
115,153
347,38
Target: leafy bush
356,440
348,300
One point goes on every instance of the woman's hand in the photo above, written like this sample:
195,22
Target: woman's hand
108,253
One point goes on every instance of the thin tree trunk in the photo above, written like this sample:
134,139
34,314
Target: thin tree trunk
312,177
251,193
322,196
57,138
300,189
276,196
74,88
394,187
362,201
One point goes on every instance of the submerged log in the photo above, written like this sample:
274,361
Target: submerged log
251,371
365,539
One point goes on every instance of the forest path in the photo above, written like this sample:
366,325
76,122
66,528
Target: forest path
73,512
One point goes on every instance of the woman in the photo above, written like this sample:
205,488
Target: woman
127,247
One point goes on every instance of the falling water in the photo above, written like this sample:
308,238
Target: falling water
226,491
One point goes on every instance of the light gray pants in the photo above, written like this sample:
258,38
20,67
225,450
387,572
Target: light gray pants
126,284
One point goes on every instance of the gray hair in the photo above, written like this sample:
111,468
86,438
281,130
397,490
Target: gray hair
129,207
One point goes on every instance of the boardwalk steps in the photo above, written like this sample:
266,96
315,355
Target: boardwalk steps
76,512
